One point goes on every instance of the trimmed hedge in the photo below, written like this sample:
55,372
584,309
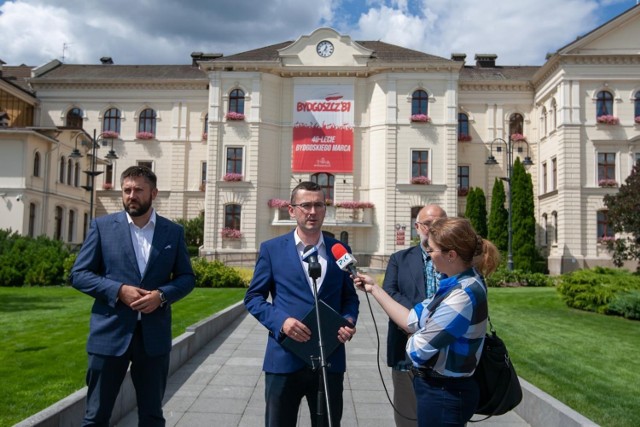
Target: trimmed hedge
602,290
214,274
502,277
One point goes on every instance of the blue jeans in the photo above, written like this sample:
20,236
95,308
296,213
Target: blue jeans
284,392
445,401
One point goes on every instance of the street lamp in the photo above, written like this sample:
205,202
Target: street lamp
92,172
491,160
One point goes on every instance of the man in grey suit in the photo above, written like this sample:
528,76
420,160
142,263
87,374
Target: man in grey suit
135,264
410,279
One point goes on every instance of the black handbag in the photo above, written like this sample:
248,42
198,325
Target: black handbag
496,376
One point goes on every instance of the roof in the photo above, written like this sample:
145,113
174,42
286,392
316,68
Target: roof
18,75
502,73
122,72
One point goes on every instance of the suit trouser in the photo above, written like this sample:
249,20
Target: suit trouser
284,392
404,399
105,376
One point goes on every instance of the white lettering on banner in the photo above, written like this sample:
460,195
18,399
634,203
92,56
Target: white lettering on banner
340,147
326,139
313,147
324,106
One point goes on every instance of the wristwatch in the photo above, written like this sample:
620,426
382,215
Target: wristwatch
163,299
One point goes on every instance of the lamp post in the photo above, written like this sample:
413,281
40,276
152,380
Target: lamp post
491,160
92,172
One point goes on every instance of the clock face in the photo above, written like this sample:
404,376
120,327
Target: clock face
324,48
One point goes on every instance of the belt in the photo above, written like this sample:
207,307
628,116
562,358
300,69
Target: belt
429,373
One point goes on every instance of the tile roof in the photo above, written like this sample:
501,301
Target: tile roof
18,75
123,72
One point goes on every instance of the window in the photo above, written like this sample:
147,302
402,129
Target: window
554,224
74,118
32,220
545,237
72,226
36,164
604,228
326,181
108,176
61,174
604,103
85,226
205,131
234,160
76,175
516,124
554,114
554,174
69,172
236,101
232,216
419,102
463,179
203,173
544,121
147,121
419,163
463,127
111,120
544,178
636,106
147,163
57,233
606,166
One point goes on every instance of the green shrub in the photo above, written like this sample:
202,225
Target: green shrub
31,262
215,274
595,289
626,304
68,265
502,277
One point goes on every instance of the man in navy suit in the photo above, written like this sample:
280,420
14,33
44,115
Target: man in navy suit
410,279
280,273
135,264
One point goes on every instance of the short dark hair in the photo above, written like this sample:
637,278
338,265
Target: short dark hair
305,185
136,171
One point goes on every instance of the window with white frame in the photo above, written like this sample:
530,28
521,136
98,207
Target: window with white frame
604,228
463,180
545,236
147,163
419,163
419,103
544,178
604,103
232,214
36,164
234,160
554,174
606,169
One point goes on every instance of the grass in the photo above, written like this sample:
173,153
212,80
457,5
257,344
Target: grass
586,360
42,346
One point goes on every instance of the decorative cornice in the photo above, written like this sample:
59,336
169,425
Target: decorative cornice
493,87
122,86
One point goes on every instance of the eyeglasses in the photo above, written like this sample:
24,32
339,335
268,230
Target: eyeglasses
425,223
306,207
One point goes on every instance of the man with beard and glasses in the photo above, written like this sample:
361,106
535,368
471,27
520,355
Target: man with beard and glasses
135,264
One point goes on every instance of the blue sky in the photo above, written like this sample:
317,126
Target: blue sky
520,32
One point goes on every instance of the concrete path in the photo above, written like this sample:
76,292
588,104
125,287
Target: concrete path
223,385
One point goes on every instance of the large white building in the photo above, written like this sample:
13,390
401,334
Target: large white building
230,136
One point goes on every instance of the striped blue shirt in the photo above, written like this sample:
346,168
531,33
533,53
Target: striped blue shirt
455,332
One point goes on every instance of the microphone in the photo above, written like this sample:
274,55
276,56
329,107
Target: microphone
310,256
344,259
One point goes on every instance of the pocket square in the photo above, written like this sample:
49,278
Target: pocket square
168,247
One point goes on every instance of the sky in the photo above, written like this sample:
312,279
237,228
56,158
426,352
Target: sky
520,32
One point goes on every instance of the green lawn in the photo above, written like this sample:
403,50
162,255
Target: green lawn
44,332
586,360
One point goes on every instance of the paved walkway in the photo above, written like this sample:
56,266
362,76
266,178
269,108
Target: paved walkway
223,385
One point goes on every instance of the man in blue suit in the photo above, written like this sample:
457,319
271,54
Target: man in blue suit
410,279
135,264
280,273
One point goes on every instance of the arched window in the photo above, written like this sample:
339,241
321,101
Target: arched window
326,181
205,130
69,172
232,213
554,224
32,220
147,121
463,127
57,233
419,102
516,124
74,118
636,107
61,173
76,175
72,225
236,101
544,121
554,114
604,103
111,120
36,164
545,237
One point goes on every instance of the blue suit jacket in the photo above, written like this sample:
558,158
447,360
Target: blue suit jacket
404,281
107,260
279,274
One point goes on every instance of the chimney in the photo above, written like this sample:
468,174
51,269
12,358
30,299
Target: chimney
460,57
199,56
486,60
106,60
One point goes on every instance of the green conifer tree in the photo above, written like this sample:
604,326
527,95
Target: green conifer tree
525,254
498,217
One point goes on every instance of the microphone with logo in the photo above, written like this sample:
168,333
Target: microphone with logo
310,256
344,259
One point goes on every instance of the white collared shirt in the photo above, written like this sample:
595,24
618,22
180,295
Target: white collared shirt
141,237
322,259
